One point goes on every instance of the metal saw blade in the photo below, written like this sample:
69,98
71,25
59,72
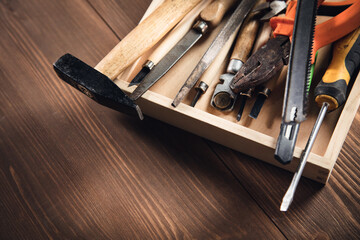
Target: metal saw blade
298,76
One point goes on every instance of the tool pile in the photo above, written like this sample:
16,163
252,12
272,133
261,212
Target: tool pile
262,43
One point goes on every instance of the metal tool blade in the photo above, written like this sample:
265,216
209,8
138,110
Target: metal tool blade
255,110
232,25
298,77
271,9
285,144
243,100
304,156
170,59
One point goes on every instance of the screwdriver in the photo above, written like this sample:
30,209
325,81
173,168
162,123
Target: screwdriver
330,94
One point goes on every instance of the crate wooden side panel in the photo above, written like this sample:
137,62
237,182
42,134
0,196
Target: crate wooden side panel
219,130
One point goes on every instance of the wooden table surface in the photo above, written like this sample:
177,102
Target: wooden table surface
72,169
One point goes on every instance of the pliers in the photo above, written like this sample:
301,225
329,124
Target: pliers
270,59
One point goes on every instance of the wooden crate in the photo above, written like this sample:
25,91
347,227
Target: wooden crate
256,138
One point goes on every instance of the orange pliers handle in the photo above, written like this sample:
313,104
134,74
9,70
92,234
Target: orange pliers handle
326,32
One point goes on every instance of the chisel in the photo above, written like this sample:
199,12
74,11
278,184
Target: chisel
170,41
232,25
211,16
144,36
330,94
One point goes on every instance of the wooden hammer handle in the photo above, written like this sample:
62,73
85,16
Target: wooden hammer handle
177,33
144,36
214,13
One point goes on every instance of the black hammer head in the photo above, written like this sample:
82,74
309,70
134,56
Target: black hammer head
95,85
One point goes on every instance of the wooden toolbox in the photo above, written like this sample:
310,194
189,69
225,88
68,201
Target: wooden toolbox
256,138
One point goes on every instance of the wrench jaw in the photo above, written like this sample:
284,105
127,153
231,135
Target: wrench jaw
224,98
95,85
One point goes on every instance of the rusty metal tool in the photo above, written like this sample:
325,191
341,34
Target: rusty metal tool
223,98
144,36
97,83
263,94
260,67
330,94
263,37
211,16
267,61
244,96
223,92
232,25
270,9
263,64
208,76
170,41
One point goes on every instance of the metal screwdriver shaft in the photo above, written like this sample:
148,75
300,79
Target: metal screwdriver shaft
330,93
292,188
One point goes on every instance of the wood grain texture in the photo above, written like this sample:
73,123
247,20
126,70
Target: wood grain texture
119,15
214,13
144,36
176,34
317,212
71,169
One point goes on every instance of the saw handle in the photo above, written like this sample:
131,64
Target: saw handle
144,36
214,13
332,89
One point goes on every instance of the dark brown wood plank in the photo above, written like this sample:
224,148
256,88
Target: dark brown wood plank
329,212
73,169
121,16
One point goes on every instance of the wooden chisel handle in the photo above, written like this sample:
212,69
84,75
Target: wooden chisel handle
247,35
145,36
214,13
178,32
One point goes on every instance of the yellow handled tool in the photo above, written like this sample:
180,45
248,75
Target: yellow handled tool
330,93
333,86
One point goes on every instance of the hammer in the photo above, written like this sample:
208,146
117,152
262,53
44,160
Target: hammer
97,83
